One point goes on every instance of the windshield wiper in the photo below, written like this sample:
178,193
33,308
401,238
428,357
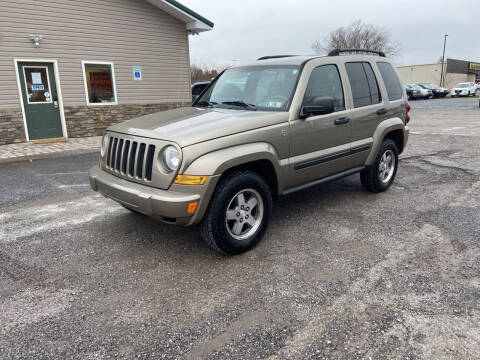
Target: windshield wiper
206,103
241,104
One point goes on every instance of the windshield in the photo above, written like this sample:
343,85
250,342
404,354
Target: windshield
417,87
267,88
462,85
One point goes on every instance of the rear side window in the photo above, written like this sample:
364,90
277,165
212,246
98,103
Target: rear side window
364,85
394,89
325,81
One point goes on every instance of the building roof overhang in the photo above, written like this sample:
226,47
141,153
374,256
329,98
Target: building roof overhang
194,22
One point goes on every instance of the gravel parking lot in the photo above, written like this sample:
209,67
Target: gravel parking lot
446,103
341,273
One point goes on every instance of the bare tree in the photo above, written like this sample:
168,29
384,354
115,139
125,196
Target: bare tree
358,35
205,72
202,73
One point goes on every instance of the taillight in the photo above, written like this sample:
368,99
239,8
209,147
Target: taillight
407,116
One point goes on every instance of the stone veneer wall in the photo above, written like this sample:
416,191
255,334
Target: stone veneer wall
11,126
80,120
93,120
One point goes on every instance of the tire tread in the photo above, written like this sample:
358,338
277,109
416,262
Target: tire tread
207,226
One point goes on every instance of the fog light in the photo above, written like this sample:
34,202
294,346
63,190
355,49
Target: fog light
190,180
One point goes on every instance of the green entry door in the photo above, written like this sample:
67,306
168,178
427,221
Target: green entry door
40,100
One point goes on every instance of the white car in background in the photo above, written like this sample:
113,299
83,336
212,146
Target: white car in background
463,89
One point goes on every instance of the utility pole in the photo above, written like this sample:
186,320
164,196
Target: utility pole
442,77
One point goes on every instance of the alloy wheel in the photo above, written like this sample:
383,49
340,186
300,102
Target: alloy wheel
386,167
244,214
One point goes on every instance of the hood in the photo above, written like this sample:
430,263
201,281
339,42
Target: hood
191,125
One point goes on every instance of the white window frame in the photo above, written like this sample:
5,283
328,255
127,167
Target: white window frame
114,83
26,87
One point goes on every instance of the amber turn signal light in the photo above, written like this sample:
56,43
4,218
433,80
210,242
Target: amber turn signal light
190,180
192,207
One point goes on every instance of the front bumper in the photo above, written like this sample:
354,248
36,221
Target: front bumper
166,205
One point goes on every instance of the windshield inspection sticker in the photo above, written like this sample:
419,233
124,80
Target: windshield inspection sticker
274,104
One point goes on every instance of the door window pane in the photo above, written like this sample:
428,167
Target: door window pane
37,84
100,83
364,85
372,84
394,89
325,81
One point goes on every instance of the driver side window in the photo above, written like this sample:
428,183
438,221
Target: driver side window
325,81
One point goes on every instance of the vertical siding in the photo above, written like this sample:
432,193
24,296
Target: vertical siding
125,32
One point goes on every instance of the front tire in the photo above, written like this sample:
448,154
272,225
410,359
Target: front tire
238,213
378,177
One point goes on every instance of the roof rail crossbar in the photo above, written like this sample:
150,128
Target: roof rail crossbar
337,52
274,57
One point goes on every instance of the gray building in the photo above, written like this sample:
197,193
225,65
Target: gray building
454,72
71,68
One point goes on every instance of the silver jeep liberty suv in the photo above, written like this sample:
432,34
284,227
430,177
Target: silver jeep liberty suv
271,127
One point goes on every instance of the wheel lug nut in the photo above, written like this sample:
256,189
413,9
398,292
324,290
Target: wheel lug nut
242,207
248,208
238,214
241,220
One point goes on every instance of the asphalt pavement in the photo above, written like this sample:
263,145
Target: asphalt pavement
340,274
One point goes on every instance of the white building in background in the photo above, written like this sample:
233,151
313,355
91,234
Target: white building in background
455,71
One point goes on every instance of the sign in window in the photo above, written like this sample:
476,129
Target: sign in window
100,83
37,84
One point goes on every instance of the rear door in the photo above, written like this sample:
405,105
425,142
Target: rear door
369,109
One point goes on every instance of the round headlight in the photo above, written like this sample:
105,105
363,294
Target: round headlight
171,158
103,149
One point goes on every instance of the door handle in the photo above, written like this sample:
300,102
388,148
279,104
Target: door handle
382,111
342,121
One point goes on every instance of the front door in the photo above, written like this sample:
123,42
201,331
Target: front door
40,100
320,145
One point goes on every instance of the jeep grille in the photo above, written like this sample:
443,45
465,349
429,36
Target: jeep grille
130,158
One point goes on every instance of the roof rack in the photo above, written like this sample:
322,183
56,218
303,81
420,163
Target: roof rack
337,52
274,57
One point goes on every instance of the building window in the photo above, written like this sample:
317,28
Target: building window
99,78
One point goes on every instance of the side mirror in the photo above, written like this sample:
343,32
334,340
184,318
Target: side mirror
321,106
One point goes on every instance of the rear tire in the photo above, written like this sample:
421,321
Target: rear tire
378,177
238,213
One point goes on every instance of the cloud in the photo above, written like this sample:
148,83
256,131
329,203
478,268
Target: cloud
248,29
